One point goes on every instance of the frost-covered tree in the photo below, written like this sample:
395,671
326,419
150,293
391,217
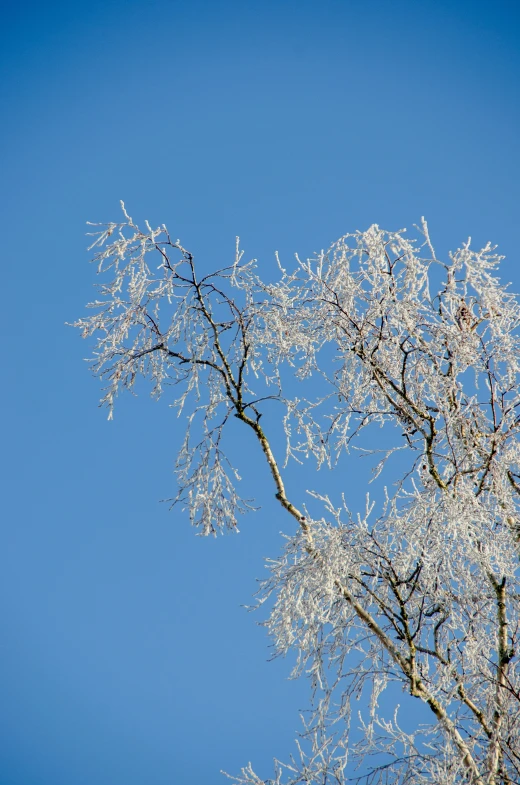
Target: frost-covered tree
421,588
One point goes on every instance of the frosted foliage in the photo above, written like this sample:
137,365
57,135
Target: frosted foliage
420,590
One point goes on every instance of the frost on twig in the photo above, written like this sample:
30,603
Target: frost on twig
420,590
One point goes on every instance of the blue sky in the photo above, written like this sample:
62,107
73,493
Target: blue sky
126,657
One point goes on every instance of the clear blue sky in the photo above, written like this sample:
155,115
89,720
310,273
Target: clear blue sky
125,657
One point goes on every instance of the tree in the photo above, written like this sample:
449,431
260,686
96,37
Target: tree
420,589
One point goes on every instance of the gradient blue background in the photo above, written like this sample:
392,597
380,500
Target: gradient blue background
125,657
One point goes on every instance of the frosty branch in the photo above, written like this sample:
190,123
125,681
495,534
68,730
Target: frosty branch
422,588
